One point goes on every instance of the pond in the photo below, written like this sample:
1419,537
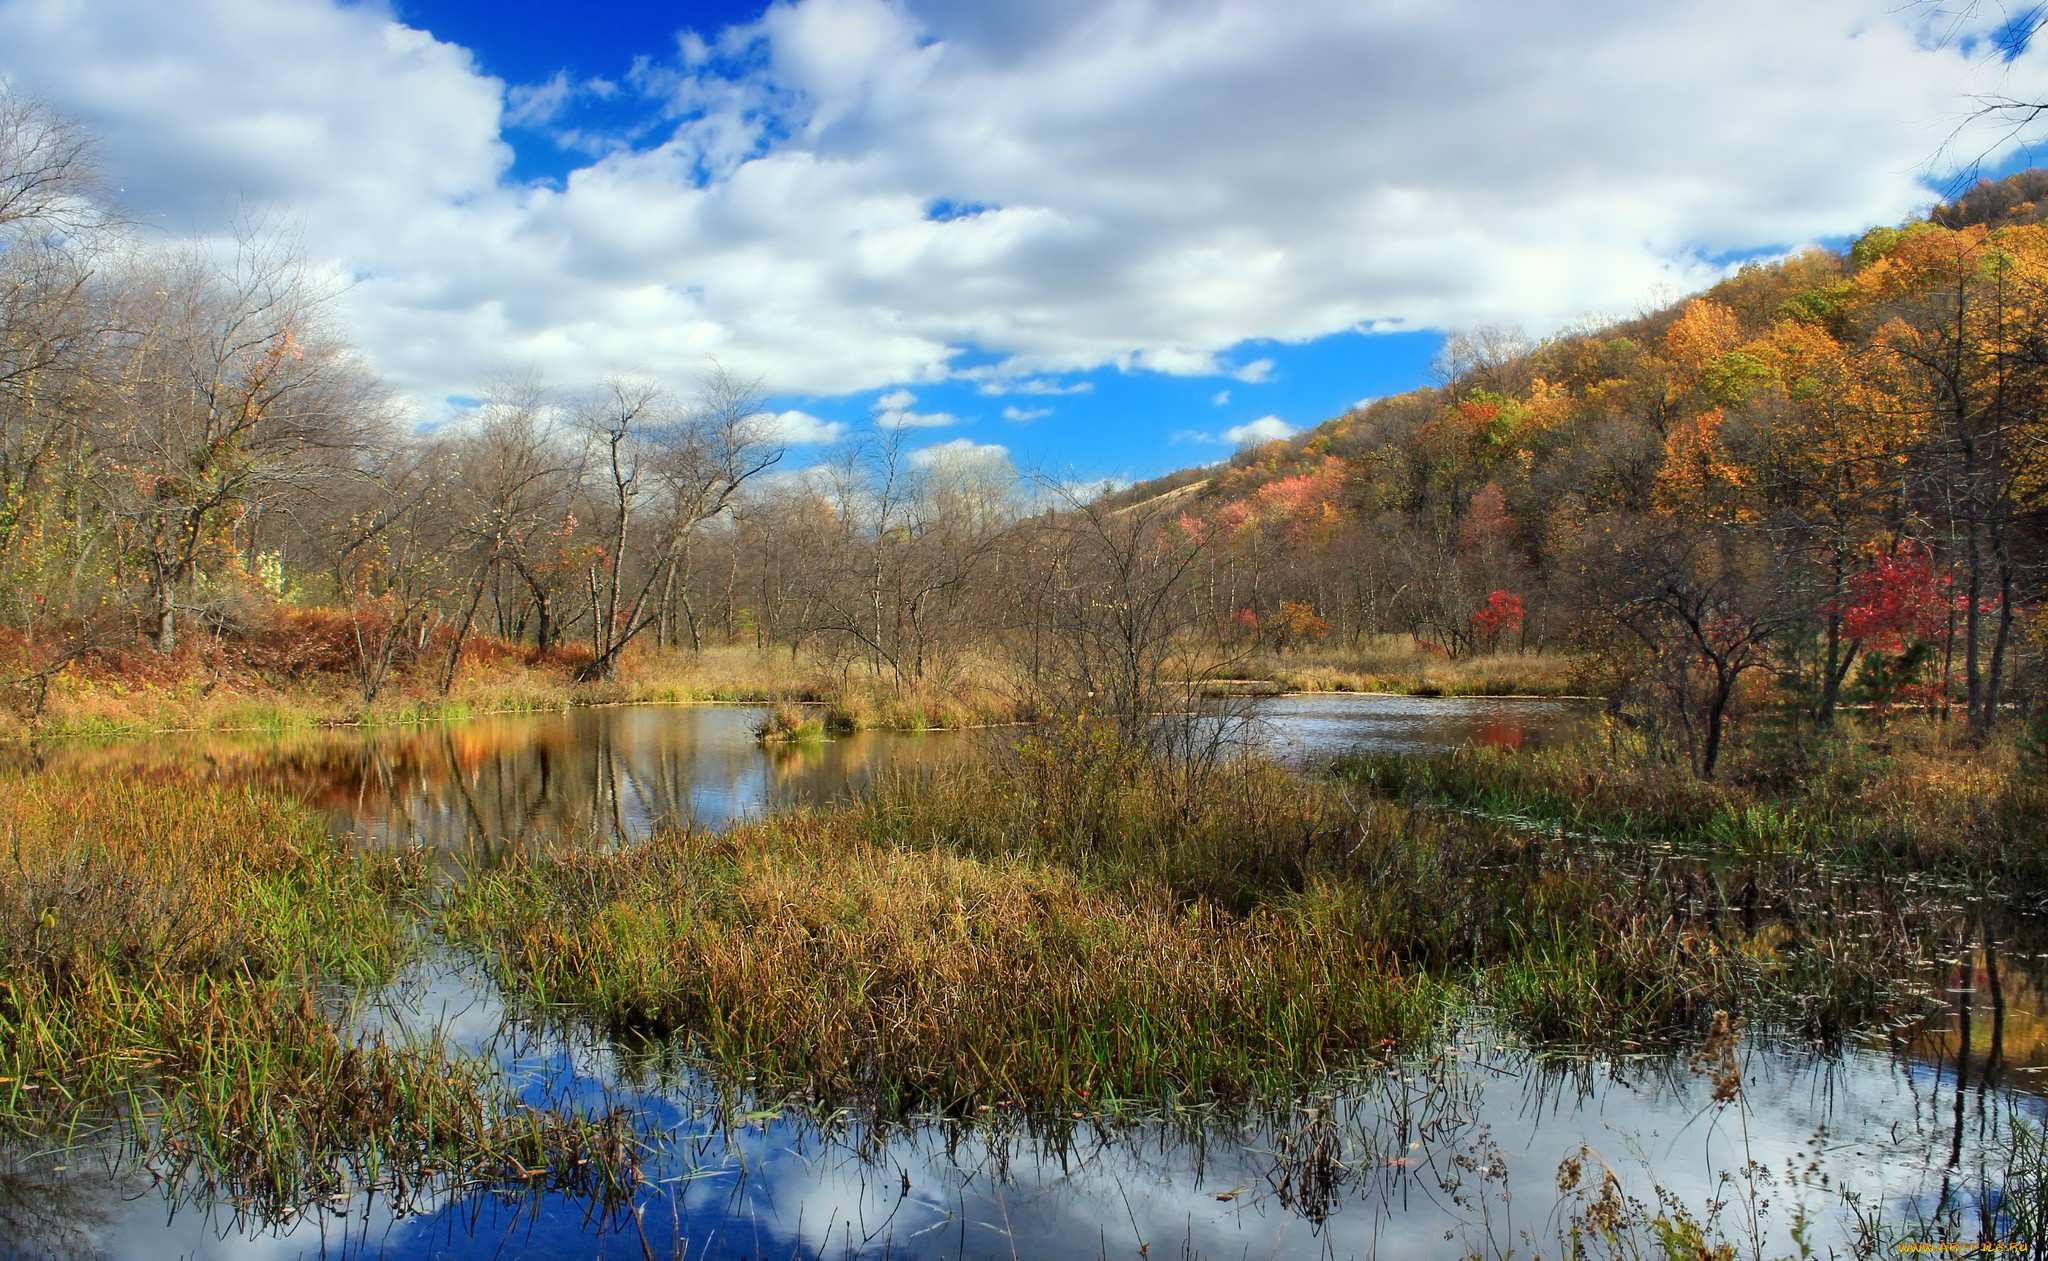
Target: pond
1454,1151
617,771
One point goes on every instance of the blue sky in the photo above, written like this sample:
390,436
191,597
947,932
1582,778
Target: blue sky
1113,237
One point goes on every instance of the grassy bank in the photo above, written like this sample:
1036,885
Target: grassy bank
210,688
1068,923
1399,665
1913,799
175,956
300,674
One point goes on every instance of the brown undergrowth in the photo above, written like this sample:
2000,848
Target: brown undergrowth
294,668
1401,665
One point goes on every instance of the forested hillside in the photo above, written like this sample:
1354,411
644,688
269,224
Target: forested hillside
1831,469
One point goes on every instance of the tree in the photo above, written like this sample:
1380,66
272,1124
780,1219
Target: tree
1699,602
510,493
232,394
1111,601
696,461
1966,312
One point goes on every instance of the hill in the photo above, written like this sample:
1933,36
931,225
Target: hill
1830,421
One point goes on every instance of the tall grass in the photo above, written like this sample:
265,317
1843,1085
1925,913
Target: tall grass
1917,801
174,958
1073,920
1399,664
804,950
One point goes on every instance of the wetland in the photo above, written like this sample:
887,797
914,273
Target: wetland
626,981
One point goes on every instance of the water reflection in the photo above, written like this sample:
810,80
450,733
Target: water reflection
607,773
1448,1154
1454,1153
617,772
1304,730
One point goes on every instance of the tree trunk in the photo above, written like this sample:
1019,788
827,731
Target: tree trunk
462,633
1717,709
1998,646
1973,677
166,590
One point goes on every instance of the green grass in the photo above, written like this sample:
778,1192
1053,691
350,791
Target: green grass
175,960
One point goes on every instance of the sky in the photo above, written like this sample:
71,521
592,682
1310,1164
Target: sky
1111,238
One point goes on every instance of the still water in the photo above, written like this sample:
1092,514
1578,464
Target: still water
615,772
1445,1155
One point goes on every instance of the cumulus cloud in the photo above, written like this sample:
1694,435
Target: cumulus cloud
1152,183
802,428
959,450
1025,415
892,411
1264,429
1254,372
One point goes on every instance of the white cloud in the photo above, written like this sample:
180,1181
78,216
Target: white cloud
1025,415
892,411
1254,372
1365,402
1264,429
997,384
1164,181
958,450
801,428
1191,435
1221,398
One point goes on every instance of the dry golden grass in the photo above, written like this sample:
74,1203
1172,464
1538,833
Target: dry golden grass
1915,797
197,689
795,950
1396,663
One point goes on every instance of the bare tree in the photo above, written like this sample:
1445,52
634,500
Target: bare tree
1489,357
908,534
509,494
696,461
1112,599
48,182
700,465
232,392
1701,601
392,566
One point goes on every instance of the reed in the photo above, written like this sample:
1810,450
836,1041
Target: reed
801,950
175,960
1400,665
1916,801
1074,921
786,724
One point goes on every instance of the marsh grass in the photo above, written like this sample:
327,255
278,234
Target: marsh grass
803,951
1070,921
1918,802
786,724
175,955
1400,665
209,686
